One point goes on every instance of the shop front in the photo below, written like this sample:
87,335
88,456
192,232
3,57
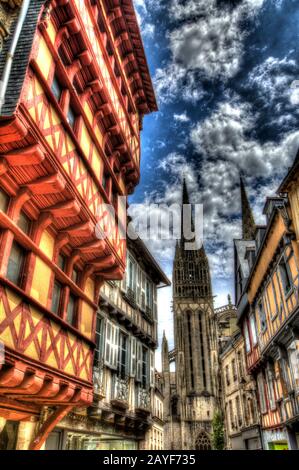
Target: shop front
62,439
275,439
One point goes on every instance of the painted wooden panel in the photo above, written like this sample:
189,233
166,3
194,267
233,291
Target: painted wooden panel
25,329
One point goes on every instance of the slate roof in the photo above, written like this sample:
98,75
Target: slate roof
21,58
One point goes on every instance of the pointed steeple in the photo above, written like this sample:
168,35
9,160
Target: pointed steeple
185,201
248,223
191,274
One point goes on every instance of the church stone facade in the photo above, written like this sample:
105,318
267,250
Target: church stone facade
191,392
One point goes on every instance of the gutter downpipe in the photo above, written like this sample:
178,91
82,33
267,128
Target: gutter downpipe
10,55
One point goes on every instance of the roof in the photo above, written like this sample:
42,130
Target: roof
21,58
147,257
290,175
24,47
137,43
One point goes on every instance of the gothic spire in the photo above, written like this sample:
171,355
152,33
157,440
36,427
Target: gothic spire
248,223
185,201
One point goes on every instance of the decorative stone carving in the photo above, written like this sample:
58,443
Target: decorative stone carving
8,12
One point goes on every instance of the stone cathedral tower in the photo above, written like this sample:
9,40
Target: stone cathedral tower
191,392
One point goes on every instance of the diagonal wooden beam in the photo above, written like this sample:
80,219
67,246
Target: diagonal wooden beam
49,425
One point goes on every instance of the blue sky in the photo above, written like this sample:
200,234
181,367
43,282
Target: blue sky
223,74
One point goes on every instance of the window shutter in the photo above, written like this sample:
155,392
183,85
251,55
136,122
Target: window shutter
108,343
133,356
114,359
139,362
138,286
155,306
152,368
142,290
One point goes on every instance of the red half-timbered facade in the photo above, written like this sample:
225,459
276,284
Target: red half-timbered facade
70,124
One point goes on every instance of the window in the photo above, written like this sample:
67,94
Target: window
144,377
16,264
75,275
285,276
71,116
253,329
111,345
139,362
152,368
99,340
24,223
56,297
270,387
246,336
261,392
240,364
105,181
293,351
4,200
262,315
239,412
227,375
61,262
133,352
71,310
131,274
231,414
234,369
56,88
148,290
122,355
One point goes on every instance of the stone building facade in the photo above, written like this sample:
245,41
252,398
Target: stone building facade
191,392
241,417
127,411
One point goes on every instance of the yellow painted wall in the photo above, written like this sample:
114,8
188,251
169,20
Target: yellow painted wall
266,257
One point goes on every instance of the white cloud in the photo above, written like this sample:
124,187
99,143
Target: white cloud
183,117
208,43
224,136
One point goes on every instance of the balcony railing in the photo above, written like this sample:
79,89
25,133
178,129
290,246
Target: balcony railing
98,379
120,391
143,399
131,297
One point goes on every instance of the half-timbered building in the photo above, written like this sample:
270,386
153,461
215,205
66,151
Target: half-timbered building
126,412
268,316
74,89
